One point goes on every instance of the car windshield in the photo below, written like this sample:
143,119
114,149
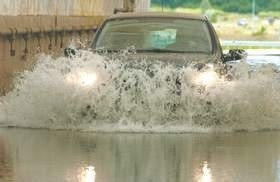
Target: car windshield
155,35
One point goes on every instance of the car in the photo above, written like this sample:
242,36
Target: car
242,22
179,37
174,38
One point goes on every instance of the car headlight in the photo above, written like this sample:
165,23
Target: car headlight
207,78
85,79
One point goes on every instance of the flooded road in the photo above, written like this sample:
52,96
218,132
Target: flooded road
153,105
42,155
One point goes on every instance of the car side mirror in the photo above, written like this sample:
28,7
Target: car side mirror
234,55
69,52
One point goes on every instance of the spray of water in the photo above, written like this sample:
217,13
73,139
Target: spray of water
89,92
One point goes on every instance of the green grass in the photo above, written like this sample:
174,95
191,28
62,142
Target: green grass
269,14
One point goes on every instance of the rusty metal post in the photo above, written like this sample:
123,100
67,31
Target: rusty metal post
128,6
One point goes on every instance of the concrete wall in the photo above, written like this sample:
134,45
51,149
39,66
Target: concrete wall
28,27
22,37
66,7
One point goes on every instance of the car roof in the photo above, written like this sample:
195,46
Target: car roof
159,15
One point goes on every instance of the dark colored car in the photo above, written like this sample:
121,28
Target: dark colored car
173,38
177,37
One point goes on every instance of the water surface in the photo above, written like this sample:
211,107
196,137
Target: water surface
28,155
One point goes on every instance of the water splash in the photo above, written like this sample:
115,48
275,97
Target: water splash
89,92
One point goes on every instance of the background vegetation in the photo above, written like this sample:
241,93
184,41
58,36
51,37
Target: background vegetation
232,19
237,6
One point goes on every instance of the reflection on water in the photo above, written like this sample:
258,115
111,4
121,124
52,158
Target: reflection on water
50,156
88,174
206,173
5,163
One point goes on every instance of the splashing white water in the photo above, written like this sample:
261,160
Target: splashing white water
90,93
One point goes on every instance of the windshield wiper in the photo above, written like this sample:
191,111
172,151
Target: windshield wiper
106,50
152,50
156,50
160,50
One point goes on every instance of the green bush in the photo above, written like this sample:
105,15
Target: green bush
261,31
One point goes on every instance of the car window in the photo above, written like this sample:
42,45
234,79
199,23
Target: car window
170,34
